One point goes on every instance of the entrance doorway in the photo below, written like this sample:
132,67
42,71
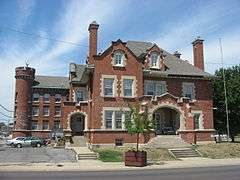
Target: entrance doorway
167,121
77,124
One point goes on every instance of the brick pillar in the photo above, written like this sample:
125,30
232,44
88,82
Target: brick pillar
93,28
24,80
198,56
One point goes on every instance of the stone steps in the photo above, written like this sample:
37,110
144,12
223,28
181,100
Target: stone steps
87,156
184,153
79,141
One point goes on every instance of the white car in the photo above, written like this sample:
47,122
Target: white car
12,141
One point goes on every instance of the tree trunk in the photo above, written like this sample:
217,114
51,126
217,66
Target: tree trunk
137,141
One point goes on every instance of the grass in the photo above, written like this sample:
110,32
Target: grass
220,151
116,155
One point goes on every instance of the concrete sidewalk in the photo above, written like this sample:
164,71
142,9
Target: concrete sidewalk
95,165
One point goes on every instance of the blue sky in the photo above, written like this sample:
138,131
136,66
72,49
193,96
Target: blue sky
172,24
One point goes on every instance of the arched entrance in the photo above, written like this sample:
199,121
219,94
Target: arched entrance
167,121
77,124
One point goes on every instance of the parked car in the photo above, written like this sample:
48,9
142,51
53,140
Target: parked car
29,141
10,142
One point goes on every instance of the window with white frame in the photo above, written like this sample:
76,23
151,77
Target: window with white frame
188,90
45,125
35,97
46,111
128,87
35,111
46,97
118,119
118,57
154,58
79,95
58,98
108,119
108,87
56,125
196,118
34,125
154,88
57,111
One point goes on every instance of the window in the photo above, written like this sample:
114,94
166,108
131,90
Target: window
45,125
35,97
118,119
56,125
196,118
127,87
154,59
155,88
46,111
35,111
34,125
58,98
188,90
46,97
118,142
108,119
118,58
79,95
57,111
108,87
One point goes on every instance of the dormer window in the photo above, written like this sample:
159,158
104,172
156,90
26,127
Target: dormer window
118,58
154,60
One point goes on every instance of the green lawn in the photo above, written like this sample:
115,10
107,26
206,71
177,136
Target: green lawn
116,155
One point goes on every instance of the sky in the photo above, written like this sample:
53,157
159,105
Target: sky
51,34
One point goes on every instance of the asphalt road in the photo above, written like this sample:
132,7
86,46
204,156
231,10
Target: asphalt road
35,155
209,173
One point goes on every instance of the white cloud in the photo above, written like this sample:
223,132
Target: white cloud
43,55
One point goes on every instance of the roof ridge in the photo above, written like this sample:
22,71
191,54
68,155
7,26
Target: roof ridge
51,76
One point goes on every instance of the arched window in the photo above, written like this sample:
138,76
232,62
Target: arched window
118,57
58,98
154,60
46,97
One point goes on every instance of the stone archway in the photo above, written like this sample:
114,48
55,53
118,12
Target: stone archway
177,114
77,123
167,121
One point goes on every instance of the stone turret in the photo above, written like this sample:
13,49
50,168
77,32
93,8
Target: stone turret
23,94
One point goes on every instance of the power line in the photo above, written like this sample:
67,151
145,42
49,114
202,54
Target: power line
42,37
6,115
5,108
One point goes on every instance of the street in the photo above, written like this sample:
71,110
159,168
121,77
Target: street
208,173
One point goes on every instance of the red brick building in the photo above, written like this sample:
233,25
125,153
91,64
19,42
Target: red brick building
93,99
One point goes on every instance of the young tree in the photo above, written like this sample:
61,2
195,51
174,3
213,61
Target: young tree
233,95
137,122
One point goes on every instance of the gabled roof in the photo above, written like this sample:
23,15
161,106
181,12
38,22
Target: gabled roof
52,82
175,66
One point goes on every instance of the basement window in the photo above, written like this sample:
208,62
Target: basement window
118,142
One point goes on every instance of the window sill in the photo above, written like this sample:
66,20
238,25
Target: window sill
58,102
155,67
128,97
119,66
57,116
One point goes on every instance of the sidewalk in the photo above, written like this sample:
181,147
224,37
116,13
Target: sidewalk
95,165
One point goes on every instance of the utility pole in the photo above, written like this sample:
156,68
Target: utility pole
225,90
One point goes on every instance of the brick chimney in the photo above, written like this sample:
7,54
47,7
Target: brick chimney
93,28
177,54
198,58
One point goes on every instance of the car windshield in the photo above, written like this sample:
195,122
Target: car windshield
21,138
